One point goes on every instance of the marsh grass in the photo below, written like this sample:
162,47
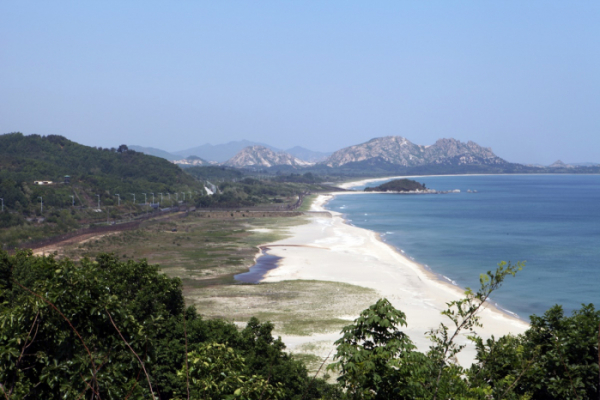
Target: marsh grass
206,254
295,307
307,202
194,249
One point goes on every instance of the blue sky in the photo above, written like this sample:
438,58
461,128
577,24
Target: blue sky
522,77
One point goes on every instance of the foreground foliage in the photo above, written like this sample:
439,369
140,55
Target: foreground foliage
557,358
114,330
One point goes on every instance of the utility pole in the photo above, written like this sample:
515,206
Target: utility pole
145,199
190,193
41,204
73,202
160,197
118,198
133,194
152,197
98,201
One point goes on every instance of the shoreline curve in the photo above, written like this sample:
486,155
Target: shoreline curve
330,249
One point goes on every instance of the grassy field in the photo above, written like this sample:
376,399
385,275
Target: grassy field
207,252
307,202
200,251
295,307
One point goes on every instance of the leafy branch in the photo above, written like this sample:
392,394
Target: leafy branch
463,314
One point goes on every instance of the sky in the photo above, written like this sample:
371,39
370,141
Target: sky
521,77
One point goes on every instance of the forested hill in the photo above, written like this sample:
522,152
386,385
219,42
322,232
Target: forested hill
25,159
398,185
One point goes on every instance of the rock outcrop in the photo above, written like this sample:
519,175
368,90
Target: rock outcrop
400,151
260,156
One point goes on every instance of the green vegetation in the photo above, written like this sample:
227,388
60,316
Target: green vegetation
106,326
397,185
557,358
199,249
250,192
294,307
307,177
106,172
95,176
307,202
110,329
215,174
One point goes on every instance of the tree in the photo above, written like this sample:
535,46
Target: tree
377,361
370,352
68,330
556,358
109,329
217,372
464,315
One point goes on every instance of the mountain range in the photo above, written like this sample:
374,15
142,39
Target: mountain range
400,151
221,153
379,155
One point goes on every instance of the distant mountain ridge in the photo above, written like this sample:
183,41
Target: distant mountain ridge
191,161
260,156
220,152
400,151
560,164
152,151
308,155
389,153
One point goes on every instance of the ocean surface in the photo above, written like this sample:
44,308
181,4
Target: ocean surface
550,221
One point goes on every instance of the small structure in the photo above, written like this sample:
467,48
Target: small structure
67,179
42,183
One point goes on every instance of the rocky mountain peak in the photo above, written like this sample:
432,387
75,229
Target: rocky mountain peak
399,150
260,156
560,164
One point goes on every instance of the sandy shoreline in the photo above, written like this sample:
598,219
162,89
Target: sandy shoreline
329,249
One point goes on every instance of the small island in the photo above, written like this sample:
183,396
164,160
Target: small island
399,186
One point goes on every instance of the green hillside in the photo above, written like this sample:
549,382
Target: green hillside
26,159
95,175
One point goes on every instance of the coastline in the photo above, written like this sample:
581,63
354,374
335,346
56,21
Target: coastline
426,269
347,185
330,249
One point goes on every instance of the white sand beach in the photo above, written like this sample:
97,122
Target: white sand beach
328,249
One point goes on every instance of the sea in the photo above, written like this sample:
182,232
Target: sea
549,222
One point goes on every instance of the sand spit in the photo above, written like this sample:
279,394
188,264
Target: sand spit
328,249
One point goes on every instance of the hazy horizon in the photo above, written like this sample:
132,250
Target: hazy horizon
521,78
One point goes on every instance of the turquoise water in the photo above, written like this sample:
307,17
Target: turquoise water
550,221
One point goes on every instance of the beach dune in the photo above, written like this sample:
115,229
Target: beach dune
328,249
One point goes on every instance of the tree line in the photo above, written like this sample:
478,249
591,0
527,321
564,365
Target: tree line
108,329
